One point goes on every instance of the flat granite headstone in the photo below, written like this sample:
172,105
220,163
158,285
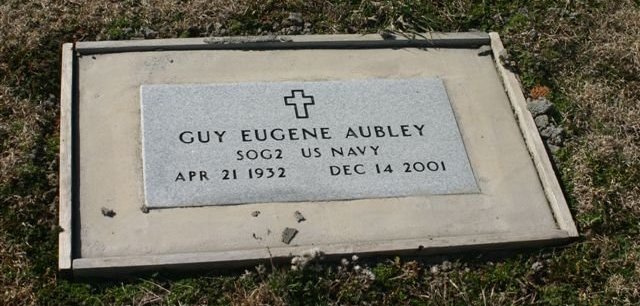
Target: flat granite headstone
300,141
199,153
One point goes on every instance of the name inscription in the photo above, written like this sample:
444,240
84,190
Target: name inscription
300,141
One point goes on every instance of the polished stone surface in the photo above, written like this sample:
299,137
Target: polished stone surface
254,142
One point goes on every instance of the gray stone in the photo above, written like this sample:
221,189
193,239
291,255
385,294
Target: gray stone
295,18
539,107
506,60
553,148
288,234
553,134
387,35
542,121
149,33
294,29
557,131
546,132
51,100
325,141
556,136
299,216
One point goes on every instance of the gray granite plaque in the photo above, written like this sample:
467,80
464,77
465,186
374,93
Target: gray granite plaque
239,143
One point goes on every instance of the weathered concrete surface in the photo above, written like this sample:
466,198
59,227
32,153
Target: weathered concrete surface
511,207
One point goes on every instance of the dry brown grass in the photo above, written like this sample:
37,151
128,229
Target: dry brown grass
592,58
606,91
15,282
19,132
261,295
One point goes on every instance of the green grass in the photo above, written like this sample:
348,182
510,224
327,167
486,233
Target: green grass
587,52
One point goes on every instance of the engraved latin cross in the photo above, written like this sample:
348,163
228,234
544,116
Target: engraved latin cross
299,101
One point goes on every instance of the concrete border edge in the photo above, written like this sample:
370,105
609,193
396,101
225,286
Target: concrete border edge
65,257
547,176
332,41
115,267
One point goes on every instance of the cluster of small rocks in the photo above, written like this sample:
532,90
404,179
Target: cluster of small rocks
140,33
551,133
294,24
218,30
507,61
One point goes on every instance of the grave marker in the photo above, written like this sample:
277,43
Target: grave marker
371,138
223,152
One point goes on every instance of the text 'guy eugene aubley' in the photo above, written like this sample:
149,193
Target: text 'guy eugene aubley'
296,134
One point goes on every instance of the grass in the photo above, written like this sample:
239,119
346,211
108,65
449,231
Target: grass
587,52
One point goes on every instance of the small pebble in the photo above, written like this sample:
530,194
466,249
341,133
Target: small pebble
299,216
387,35
108,212
288,234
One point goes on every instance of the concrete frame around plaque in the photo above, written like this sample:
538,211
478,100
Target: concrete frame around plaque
107,231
